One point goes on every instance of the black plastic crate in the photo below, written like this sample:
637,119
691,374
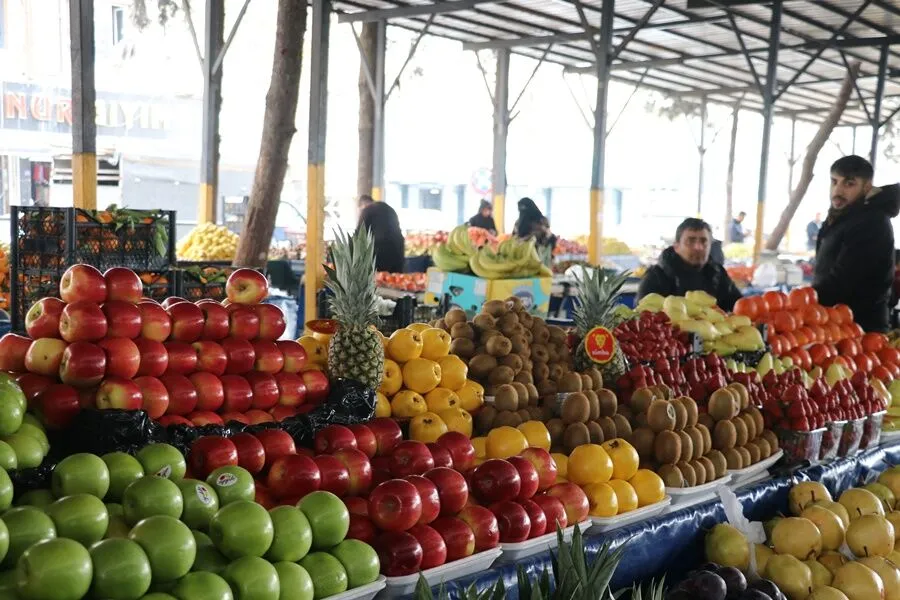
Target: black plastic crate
202,281
159,285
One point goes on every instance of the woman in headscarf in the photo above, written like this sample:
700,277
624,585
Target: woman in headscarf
384,224
533,224
485,217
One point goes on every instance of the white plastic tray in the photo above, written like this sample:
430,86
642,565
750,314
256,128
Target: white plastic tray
742,476
610,523
363,592
406,585
682,497
515,551
889,437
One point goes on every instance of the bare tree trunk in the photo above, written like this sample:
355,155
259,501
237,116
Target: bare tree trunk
278,130
729,178
364,173
812,153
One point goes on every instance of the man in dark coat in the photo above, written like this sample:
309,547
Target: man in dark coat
855,246
685,266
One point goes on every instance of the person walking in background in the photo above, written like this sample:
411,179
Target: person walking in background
533,224
812,232
485,217
384,224
736,234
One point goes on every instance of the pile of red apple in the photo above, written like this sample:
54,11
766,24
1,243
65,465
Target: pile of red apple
103,345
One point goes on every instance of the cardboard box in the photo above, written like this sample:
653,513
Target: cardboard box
469,292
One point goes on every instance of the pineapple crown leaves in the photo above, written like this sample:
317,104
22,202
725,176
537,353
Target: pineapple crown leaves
655,590
597,294
352,278
423,592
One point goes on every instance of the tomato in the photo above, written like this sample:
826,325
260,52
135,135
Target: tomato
803,358
834,332
848,347
818,333
790,342
863,363
774,301
846,313
777,344
889,356
873,342
798,299
747,307
819,353
784,322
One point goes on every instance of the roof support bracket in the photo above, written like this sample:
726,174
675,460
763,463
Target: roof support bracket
367,71
234,28
859,94
746,53
410,55
534,71
636,28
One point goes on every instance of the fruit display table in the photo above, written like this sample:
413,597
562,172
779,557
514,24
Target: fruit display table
673,542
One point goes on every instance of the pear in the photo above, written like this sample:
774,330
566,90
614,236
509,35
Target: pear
727,546
763,554
720,347
891,477
858,582
769,526
884,493
675,308
881,390
870,535
798,537
792,576
894,557
859,502
701,298
731,365
821,576
829,524
889,573
837,508
894,518
894,391
816,372
832,560
827,593
834,374
765,364
713,316
694,310
805,494
739,321
778,366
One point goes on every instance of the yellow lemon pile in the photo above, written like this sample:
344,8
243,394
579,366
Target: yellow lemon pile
208,241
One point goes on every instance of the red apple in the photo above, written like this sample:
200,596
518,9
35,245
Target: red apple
42,319
251,455
381,469
434,550
82,283
276,444
210,392
82,322
544,464
294,355
33,384
452,489
240,356
211,357
154,357
495,480
172,301
187,322
431,502
362,529
484,526
123,285
57,405
156,324
271,321
13,349
83,365
205,417
554,511
291,389
87,397
258,416
335,475
457,535
574,500
155,396
528,476
44,356
182,394
359,469
168,420
399,553
264,389
262,496
293,475
410,458
440,455
237,392
182,358
357,506
513,522
243,322
210,452
269,358
461,449
123,358
332,438
246,286
123,319
227,417
387,434
215,319
536,517
281,412
119,393
317,386
395,505
365,439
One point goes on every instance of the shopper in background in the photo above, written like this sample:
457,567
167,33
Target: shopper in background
533,224
855,245
736,234
812,232
380,219
364,201
686,266
485,217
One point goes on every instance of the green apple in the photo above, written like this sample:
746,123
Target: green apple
252,578
4,540
121,570
294,581
37,433
118,527
29,453
163,460
209,559
9,585
293,535
12,409
327,573
232,484
123,470
169,546
203,586
32,420
6,490
149,496
328,517
242,528
115,509
8,459
41,498
81,473
200,503
203,540
159,596
58,569
81,517
12,389
359,560
27,526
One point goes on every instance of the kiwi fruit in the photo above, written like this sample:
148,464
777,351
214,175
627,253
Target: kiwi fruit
641,399
539,354
596,432
586,382
594,403
664,391
557,334
740,432
765,451
608,426
724,436
569,382
546,388
671,476
745,456
523,376
576,434
507,418
720,464
706,420
522,393
707,437
623,427
690,407
770,437
484,420
642,439
699,471
488,334
743,396
722,405
462,330
498,345
454,316
640,420
540,372
661,416
481,365
750,424
755,454
757,416
556,428
547,412
687,446
526,320
733,459
484,321
518,341
596,377
557,371
529,337
508,319
667,447
524,414
495,308
697,442
505,397
513,361
710,468
501,374
540,335
690,477
533,395
575,408
463,348
609,404
680,415
624,410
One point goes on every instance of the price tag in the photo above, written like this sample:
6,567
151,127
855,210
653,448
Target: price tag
600,345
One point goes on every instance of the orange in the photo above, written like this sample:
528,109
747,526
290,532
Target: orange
479,443
562,464
536,433
435,343
440,399
648,486
406,404
418,327
471,395
504,442
382,405
392,380
453,371
421,375
589,463
602,499
624,457
316,351
458,420
404,345
625,494
427,427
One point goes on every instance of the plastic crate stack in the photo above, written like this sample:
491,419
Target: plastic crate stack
199,280
47,241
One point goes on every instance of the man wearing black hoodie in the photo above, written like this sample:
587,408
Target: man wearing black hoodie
855,247
685,266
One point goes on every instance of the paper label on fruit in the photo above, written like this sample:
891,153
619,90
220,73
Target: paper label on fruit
165,472
600,345
225,480
203,495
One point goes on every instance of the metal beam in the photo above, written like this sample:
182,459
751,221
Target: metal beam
419,10
879,96
768,93
214,33
636,28
701,147
84,98
501,133
234,28
598,166
380,99
856,42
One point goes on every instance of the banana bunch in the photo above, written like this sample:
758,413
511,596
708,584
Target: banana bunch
513,259
453,256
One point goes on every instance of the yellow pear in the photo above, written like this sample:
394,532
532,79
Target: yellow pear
859,502
830,526
727,546
894,518
827,593
894,557
891,478
858,582
889,573
763,554
798,537
832,560
884,494
837,508
821,576
805,493
870,535
739,321
792,576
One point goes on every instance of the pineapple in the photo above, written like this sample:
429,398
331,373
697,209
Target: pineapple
355,350
597,294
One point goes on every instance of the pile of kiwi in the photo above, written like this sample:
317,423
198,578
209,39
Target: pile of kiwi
738,430
583,412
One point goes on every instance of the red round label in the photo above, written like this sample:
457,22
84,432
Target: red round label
600,345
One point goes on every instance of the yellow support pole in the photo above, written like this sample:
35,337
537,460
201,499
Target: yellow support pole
758,234
500,212
314,221
84,180
595,238
207,203
84,99
377,196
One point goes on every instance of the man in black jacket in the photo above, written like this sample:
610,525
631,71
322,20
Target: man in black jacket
685,266
855,246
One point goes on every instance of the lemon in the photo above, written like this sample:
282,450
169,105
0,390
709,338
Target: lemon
382,405
421,375
458,420
480,443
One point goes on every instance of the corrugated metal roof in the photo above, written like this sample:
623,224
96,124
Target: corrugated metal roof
701,48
